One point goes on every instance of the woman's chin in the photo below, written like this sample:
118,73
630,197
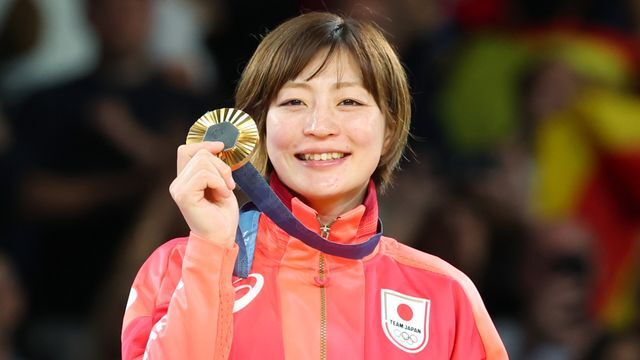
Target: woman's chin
318,192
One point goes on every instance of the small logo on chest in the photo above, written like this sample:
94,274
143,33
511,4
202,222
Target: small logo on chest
245,293
405,320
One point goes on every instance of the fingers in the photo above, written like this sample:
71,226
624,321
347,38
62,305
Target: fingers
205,152
204,184
203,176
203,191
188,151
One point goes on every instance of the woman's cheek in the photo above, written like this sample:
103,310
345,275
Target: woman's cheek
280,135
366,131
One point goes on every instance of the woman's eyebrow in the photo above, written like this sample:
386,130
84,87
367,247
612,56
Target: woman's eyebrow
336,85
344,84
296,84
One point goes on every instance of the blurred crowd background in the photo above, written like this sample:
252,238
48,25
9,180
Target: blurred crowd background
524,170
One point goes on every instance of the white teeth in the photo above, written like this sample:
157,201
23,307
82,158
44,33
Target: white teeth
323,156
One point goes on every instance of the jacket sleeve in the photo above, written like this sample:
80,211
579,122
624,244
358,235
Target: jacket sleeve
197,323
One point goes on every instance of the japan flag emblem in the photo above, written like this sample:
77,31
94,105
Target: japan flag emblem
405,320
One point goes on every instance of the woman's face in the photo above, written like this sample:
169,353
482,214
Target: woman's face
325,135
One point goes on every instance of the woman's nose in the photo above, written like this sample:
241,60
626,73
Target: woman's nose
322,122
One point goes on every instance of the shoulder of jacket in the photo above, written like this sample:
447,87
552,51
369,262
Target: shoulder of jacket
411,257
171,252
170,247
434,266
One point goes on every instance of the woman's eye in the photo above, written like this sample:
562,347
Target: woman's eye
292,102
350,102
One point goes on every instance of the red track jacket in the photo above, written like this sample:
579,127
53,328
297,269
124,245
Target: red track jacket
298,303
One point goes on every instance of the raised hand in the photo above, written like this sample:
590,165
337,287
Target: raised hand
203,191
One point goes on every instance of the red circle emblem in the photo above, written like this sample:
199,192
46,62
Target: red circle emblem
405,312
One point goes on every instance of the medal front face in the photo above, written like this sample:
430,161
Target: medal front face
235,128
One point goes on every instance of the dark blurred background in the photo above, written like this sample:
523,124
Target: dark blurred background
524,170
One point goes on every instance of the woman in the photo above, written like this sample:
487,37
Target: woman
332,105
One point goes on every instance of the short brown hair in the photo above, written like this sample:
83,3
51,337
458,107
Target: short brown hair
286,51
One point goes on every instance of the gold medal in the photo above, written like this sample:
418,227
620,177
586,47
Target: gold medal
235,128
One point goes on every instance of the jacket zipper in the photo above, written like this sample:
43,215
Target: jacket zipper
323,311
324,229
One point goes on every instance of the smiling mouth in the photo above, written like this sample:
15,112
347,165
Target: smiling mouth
321,156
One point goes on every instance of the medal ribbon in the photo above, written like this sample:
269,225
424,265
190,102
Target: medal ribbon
263,197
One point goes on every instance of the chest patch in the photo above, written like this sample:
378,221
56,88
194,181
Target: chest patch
405,320
246,290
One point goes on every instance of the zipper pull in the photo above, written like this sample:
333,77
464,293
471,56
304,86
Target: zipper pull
325,228
322,280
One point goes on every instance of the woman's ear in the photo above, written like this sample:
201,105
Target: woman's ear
388,136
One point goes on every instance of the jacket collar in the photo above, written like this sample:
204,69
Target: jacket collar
354,226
